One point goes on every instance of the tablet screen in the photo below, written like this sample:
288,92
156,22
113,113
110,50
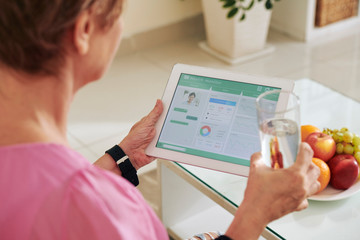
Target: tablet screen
213,118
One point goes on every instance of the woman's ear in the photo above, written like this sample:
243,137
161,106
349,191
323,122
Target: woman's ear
84,27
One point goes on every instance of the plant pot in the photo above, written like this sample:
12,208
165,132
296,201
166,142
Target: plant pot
232,39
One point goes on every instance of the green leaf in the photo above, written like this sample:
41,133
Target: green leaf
229,3
232,12
268,4
242,17
250,5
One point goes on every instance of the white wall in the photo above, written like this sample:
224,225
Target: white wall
145,15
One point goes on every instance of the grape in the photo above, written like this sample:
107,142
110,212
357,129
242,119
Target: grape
356,140
346,141
338,137
348,137
348,148
357,157
344,129
357,148
339,148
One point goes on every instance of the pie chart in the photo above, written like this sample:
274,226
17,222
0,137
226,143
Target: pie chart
205,131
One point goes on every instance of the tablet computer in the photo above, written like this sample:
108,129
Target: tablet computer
209,118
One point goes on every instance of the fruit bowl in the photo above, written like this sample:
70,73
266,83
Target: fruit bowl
340,150
331,194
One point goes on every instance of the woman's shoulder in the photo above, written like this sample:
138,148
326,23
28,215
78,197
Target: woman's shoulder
49,154
103,202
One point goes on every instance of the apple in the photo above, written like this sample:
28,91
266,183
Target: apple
323,145
344,171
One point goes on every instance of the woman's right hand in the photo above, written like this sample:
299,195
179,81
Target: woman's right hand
271,194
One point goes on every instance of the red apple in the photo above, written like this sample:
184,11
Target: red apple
323,145
344,171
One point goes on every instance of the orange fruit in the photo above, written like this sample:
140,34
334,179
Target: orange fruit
324,177
306,130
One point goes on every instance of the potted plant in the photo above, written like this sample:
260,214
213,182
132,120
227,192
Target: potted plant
235,39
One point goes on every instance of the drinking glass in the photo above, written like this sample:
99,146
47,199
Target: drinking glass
278,115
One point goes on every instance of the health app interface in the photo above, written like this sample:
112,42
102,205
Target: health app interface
213,118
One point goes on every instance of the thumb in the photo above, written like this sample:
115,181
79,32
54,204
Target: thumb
156,111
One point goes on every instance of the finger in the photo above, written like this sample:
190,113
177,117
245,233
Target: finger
256,160
314,187
155,114
303,159
303,205
140,159
157,110
314,170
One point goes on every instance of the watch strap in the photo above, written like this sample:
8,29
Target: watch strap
223,237
127,169
116,153
129,172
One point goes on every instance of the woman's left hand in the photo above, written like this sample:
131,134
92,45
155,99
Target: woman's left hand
139,137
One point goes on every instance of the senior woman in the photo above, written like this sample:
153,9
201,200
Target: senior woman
48,51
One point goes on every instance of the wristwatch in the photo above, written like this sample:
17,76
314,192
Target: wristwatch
127,169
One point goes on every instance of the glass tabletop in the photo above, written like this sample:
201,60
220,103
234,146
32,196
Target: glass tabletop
321,107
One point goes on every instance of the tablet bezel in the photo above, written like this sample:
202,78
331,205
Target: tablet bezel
178,69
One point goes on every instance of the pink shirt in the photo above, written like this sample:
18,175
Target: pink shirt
48,191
